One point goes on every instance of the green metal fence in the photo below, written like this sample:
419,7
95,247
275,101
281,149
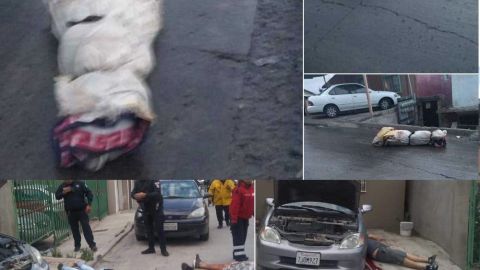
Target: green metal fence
40,215
474,228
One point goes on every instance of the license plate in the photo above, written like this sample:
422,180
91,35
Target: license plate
170,227
305,258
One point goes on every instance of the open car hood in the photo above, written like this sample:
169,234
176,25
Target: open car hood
341,193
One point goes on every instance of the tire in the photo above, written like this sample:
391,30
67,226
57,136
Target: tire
331,111
140,237
385,103
204,237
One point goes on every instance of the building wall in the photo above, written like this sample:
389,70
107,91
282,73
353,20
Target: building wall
386,197
119,195
464,90
8,224
439,210
388,201
434,85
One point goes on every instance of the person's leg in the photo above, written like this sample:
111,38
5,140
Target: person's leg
414,265
219,211
208,266
149,226
73,222
238,240
87,230
161,235
245,230
227,214
416,258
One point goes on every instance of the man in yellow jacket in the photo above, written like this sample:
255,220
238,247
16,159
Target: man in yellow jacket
221,192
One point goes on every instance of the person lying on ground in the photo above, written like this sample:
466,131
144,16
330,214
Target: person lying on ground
199,264
378,251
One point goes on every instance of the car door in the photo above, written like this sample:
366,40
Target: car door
341,97
359,97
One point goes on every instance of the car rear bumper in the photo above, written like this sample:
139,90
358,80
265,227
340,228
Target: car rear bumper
314,109
186,227
283,256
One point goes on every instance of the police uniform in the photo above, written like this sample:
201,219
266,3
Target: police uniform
75,205
152,206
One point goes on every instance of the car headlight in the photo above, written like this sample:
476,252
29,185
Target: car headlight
352,241
271,235
36,256
199,212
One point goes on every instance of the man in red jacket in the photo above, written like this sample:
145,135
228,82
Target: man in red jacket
241,210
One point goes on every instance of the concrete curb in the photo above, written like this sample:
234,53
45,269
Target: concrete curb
126,230
473,134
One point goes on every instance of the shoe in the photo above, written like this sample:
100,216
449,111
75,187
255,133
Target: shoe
220,226
186,267
432,267
148,251
431,260
245,258
94,248
228,223
197,261
77,249
165,253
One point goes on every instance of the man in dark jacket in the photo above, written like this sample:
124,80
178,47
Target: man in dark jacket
149,196
77,200
241,210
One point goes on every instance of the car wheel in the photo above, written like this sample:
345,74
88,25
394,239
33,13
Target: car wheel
140,237
204,237
331,111
385,103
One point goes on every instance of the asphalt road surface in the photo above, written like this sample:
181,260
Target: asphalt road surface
346,153
391,36
222,91
218,249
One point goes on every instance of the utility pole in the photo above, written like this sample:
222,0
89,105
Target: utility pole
367,91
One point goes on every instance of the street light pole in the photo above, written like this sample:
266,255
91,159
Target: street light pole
368,95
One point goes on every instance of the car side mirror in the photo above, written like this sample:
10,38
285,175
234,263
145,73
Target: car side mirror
366,208
269,201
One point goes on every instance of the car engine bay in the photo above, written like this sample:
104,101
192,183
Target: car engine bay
313,229
13,255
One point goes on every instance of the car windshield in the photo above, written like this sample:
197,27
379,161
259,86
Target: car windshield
177,189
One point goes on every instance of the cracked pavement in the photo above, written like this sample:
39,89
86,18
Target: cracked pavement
347,154
389,36
223,91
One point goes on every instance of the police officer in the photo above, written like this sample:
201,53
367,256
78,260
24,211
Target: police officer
149,196
74,194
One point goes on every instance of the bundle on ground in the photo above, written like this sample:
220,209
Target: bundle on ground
105,52
390,136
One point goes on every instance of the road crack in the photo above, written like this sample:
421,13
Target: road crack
424,23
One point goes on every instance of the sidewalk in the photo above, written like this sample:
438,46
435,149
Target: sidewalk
381,119
108,232
415,245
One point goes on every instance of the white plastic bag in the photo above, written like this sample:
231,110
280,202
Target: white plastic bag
103,94
421,137
398,137
143,18
102,45
439,134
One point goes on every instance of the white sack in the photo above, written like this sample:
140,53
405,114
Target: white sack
421,137
143,18
103,94
400,137
439,134
102,45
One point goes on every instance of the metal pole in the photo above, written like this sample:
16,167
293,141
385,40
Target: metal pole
368,95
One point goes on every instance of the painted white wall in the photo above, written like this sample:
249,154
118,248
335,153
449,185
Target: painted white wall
465,90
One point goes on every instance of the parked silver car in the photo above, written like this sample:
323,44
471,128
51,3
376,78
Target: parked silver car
313,225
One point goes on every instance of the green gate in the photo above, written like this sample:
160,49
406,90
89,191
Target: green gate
40,215
473,259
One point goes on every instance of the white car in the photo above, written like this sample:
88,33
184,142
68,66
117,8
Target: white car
349,96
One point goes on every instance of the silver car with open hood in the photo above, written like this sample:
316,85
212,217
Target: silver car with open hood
313,225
